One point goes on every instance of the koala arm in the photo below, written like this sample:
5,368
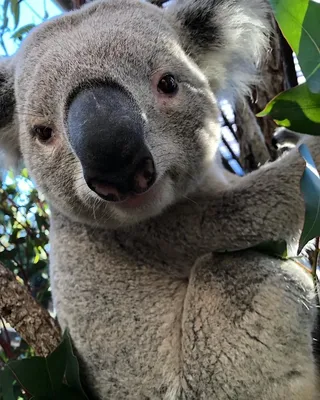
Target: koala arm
264,205
248,316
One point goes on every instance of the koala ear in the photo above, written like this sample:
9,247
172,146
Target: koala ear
9,140
226,38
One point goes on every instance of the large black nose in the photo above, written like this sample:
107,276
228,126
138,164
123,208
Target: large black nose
106,131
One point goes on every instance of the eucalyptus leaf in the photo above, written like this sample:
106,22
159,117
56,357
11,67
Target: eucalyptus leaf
299,21
277,249
17,35
73,371
6,385
41,398
67,393
296,109
32,375
15,10
44,377
310,188
56,363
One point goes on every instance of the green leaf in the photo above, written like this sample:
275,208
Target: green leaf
41,221
297,109
18,35
32,375
299,21
68,393
65,393
24,171
41,398
6,384
5,19
43,377
73,372
310,188
56,365
277,249
15,10
14,235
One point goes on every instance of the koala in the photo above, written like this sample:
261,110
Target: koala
113,108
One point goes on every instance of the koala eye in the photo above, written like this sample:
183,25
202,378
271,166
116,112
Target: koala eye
168,85
43,133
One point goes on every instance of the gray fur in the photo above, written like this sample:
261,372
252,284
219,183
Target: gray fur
9,150
154,311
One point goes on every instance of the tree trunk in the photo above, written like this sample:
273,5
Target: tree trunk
274,80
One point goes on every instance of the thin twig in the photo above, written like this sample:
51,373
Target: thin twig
229,125
5,343
26,316
315,266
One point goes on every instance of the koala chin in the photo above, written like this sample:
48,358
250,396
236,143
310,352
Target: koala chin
113,109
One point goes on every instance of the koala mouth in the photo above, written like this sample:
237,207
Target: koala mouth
139,200
130,200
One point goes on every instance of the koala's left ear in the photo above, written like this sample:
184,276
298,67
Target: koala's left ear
226,38
9,140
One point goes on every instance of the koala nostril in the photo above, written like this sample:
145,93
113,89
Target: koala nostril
144,176
112,197
119,187
108,192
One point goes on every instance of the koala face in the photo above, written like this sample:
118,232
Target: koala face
115,104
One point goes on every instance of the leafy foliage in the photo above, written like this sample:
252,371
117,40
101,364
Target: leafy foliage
15,10
24,232
277,249
299,21
19,34
24,229
10,20
310,189
55,377
298,108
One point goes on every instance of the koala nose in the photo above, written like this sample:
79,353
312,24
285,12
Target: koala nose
106,131
143,178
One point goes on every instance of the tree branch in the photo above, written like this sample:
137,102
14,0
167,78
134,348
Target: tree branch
253,149
71,4
65,4
26,316
255,135
78,3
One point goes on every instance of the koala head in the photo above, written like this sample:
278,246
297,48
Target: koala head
113,108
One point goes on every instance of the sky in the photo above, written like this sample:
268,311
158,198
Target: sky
31,11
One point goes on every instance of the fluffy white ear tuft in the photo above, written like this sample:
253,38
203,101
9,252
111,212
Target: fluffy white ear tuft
228,39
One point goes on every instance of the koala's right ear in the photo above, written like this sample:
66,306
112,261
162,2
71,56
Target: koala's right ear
227,39
9,140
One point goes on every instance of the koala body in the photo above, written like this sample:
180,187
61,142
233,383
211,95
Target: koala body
113,108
